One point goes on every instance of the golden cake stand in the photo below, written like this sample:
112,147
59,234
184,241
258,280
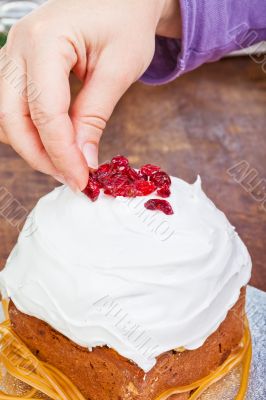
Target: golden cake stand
23,376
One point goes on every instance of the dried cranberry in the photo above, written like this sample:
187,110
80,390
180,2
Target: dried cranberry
103,173
127,191
160,205
144,188
108,191
114,185
160,178
92,189
143,177
164,191
104,169
119,180
131,173
149,169
120,161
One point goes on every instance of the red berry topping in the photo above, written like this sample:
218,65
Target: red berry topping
128,191
92,189
115,185
159,205
120,161
131,173
164,191
149,169
143,177
118,178
104,169
144,188
103,173
160,179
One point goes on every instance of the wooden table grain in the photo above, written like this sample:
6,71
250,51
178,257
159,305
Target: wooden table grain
211,122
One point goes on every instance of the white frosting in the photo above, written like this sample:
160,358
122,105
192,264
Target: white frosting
113,273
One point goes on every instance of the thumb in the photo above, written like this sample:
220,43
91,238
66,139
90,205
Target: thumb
94,105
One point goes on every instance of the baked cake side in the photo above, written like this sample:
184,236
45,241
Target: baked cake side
103,374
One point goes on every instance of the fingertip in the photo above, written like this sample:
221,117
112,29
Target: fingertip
90,152
72,184
60,179
77,183
84,181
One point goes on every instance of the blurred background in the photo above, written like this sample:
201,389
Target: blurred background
211,122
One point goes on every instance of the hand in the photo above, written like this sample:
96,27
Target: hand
107,44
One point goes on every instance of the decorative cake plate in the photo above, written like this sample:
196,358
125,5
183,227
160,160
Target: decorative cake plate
226,388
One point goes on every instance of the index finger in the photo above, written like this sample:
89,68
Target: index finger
48,68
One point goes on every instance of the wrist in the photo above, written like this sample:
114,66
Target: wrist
169,24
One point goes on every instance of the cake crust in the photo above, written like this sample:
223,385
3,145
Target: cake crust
103,374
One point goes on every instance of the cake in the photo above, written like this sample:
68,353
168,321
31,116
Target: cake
128,301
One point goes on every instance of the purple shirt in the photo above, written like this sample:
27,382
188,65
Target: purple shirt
210,30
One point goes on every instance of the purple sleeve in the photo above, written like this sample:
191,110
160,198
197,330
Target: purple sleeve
210,30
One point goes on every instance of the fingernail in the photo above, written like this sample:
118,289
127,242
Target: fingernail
90,151
72,184
59,178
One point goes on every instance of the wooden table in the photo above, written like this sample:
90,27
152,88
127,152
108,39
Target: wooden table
204,123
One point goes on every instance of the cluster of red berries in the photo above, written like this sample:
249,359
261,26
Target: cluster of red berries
118,178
